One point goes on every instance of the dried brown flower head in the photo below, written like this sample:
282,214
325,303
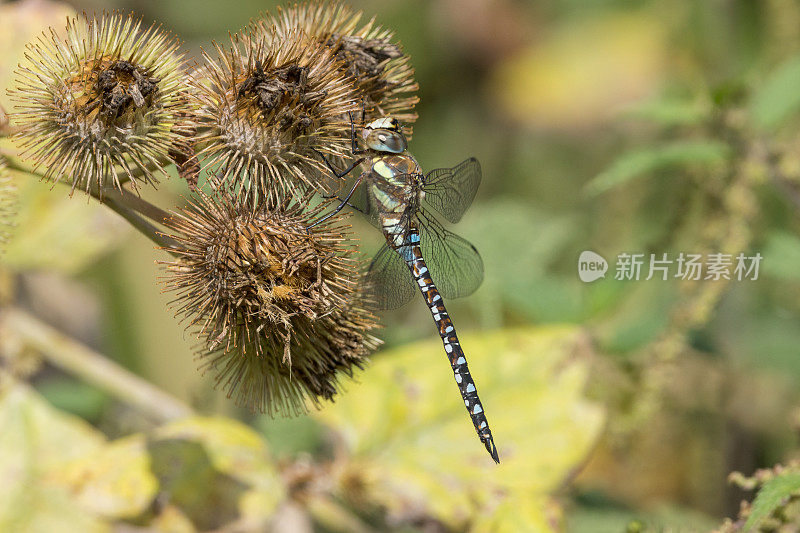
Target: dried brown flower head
366,52
101,104
277,307
265,105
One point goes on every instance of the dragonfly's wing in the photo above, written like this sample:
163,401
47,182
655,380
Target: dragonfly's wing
362,202
390,282
450,191
359,200
455,265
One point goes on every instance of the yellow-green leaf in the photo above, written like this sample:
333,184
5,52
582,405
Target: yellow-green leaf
669,111
35,440
773,494
233,447
227,451
782,251
778,97
55,232
413,442
114,482
171,519
534,513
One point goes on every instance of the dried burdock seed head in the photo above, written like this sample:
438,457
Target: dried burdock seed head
276,307
365,51
265,106
101,105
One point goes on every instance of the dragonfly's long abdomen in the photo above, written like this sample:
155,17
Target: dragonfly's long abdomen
411,253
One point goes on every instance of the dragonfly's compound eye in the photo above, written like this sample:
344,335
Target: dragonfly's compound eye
384,140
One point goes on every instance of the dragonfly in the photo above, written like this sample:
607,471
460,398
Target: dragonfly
397,196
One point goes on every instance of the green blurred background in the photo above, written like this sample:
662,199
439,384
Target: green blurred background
613,126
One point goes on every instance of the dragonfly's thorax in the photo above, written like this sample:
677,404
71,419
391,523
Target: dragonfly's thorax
401,170
395,185
396,180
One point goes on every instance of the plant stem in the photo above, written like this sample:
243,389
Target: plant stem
92,367
135,202
143,226
126,204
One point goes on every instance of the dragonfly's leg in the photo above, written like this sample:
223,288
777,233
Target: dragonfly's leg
339,208
335,172
353,140
329,196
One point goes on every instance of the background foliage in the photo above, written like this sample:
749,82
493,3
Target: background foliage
622,126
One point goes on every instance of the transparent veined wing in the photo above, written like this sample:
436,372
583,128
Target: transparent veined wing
455,265
359,200
390,282
450,191
362,202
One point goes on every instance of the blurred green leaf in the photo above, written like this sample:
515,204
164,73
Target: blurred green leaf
36,440
291,436
639,163
610,519
782,256
188,480
114,482
60,475
233,447
526,283
206,472
771,496
639,318
729,93
56,232
668,111
413,442
72,396
520,512
778,97
217,460
171,519
547,298
763,338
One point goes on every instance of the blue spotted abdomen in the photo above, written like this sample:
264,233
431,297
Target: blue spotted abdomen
411,253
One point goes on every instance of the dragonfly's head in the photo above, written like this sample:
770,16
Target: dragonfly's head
384,135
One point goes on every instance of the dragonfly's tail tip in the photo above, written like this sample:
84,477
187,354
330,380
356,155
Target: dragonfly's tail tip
490,447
